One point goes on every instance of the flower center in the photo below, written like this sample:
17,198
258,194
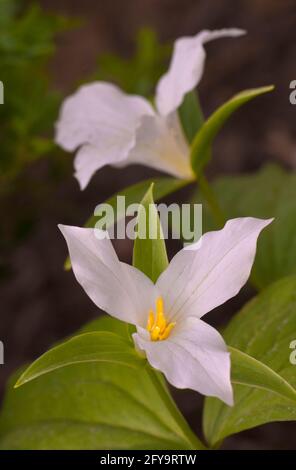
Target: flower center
157,324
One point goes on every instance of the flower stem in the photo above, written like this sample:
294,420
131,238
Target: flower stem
210,197
192,119
187,434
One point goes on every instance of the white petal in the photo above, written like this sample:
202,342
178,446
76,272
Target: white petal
87,161
208,273
102,120
194,356
186,68
160,144
121,290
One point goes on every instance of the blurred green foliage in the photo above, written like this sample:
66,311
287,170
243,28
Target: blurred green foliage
27,43
30,106
139,73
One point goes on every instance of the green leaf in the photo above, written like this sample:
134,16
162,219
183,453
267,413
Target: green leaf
134,194
264,330
246,370
191,115
99,346
149,254
271,192
106,323
95,405
204,138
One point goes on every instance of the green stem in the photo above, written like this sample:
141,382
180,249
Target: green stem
193,441
192,119
210,197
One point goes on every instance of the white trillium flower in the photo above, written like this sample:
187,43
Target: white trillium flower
167,314
108,126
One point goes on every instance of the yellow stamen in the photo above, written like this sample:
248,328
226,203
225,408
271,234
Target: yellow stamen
155,333
160,318
159,305
150,322
157,324
167,331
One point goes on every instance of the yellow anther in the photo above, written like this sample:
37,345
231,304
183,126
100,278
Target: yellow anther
150,322
157,324
167,331
160,318
155,333
161,321
159,305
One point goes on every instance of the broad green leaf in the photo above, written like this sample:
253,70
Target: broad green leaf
246,370
204,138
264,329
106,323
149,254
134,194
271,192
191,115
94,405
99,346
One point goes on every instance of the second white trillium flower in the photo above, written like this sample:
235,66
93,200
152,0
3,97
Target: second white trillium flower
110,127
167,314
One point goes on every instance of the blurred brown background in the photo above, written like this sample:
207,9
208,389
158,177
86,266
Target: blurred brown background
40,303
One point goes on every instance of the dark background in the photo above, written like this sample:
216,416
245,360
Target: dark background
40,302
